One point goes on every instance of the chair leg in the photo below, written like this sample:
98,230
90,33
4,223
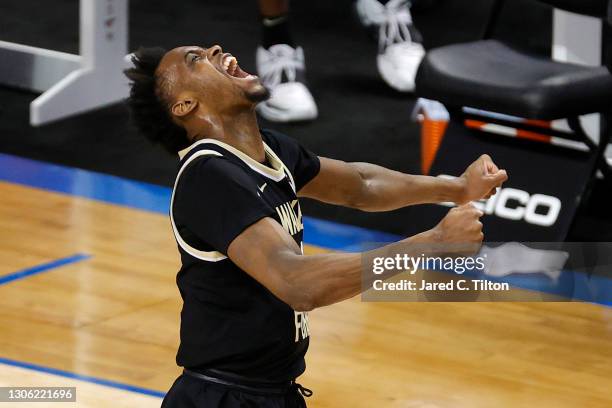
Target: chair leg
598,149
605,138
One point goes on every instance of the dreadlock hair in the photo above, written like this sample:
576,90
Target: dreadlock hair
148,101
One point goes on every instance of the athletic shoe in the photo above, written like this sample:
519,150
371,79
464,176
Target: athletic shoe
399,43
281,69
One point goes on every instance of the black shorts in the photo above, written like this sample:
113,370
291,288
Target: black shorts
189,391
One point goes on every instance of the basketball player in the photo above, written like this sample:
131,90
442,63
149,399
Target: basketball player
245,283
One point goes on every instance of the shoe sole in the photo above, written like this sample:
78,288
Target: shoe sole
387,76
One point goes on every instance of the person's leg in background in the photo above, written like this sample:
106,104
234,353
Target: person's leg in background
400,48
281,64
281,67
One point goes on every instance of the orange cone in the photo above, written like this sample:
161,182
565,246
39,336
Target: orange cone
432,133
434,120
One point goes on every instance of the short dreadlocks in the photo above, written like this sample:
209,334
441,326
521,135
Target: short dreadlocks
149,104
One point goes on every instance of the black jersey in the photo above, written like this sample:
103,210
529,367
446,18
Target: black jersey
229,321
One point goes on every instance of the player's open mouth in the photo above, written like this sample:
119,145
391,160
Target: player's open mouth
230,66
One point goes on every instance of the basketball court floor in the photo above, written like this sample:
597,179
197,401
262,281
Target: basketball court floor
88,299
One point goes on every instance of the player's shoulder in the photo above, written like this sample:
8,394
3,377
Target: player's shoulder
285,147
216,169
277,140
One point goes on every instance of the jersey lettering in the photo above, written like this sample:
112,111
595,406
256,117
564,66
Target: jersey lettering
301,325
290,220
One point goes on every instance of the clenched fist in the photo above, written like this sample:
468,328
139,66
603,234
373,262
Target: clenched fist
480,180
460,230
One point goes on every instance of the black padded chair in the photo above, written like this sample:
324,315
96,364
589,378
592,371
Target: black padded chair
493,76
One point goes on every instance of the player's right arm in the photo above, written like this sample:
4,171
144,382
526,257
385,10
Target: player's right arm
267,252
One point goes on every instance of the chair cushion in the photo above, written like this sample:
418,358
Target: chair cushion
492,76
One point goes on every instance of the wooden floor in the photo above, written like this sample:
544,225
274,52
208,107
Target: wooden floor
115,316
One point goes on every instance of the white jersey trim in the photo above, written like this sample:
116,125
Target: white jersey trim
210,256
276,173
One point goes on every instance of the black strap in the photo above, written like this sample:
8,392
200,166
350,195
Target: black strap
279,388
302,390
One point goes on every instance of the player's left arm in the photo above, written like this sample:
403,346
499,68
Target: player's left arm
369,187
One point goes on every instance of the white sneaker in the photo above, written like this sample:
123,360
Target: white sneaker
399,49
281,69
